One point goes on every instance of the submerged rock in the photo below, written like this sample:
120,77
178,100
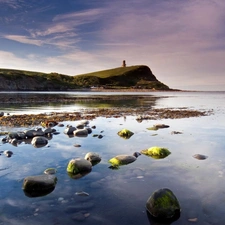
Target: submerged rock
34,186
200,157
126,134
156,152
163,204
158,126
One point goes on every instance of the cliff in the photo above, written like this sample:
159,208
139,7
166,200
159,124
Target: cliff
122,77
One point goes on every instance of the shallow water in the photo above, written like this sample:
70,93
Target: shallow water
119,196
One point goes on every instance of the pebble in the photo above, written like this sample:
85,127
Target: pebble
82,193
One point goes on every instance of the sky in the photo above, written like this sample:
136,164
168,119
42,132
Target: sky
181,41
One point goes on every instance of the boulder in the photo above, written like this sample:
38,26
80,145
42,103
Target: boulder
163,205
156,152
29,133
81,133
39,141
126,134
76,166
93,157
1,114
34,186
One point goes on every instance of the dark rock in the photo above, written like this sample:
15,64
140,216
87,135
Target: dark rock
39,142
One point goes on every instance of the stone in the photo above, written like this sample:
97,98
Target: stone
200,157
50,171
79,165
81,133
8,153
69,130
120,160
29,133
1,114
80,126
39,141
156,152
126,134
40,185
93,157
163,204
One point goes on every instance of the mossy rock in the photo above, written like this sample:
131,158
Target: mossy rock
156,152
76,166
163,204
126,134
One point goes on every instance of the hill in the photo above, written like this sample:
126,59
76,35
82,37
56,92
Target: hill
136,77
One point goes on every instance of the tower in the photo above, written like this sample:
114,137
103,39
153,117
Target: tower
124,63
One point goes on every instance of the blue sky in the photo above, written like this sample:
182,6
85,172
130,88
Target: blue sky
182,41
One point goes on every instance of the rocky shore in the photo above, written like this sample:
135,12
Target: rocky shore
29,120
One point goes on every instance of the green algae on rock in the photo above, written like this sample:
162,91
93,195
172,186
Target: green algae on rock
156,152
120,160
125,133
76,166
163,204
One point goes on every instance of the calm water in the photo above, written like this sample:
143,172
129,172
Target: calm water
119,196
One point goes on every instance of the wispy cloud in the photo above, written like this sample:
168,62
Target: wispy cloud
23,39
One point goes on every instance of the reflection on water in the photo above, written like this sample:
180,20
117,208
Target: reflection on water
119,196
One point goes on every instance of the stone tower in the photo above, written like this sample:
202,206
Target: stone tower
124,63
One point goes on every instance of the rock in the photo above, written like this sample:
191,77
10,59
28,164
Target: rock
13,135
126,134
120,160
156,152
200,157
84,122
69,130
14,142
49,130
8,153
50,171
29,133
60,125
39,142
76,166
81,133
77,145
34,186
163,204
80,126
1,114
89,130
92,157
158,126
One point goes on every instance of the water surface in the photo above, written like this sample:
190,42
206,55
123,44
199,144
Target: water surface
119,196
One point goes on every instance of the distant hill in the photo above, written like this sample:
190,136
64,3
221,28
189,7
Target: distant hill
135,77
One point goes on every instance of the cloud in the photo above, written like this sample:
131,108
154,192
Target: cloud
23,39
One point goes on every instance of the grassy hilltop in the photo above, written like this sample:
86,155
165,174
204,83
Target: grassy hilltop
136,77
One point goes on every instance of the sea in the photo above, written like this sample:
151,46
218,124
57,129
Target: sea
118,196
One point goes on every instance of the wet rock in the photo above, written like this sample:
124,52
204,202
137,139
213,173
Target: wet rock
69,130
200,157
81,133
156,152
34,186
1,114
77,145
158,126
93,157
176,132
76,166
49,130
14,142
89,130
126,134
39,141
8,153
163,204
80,126
50,171
29,133
13,135
120,160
